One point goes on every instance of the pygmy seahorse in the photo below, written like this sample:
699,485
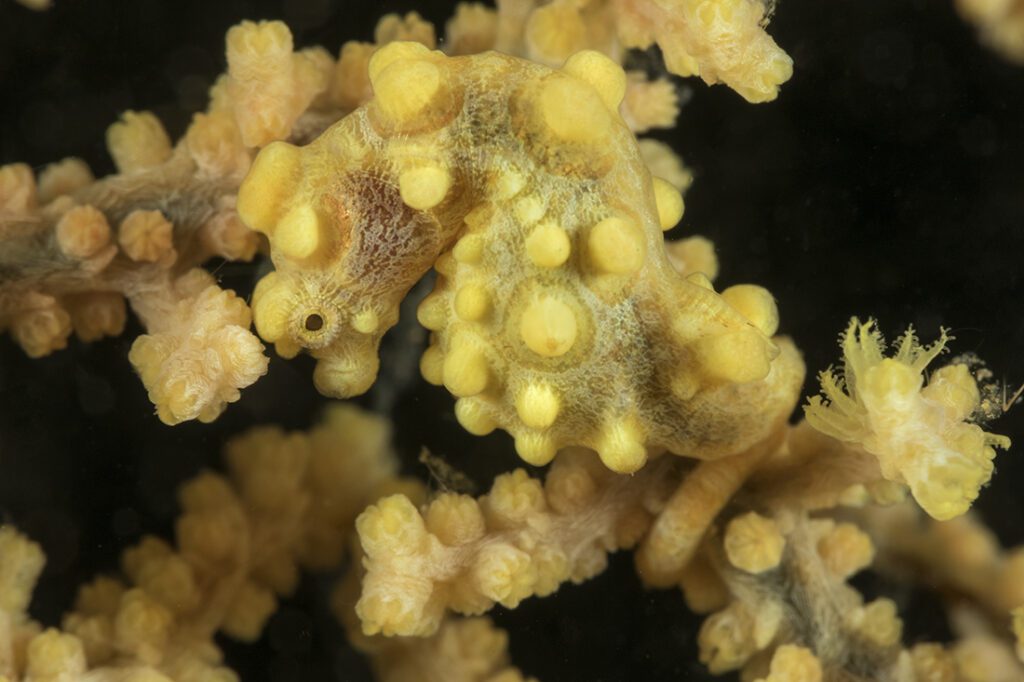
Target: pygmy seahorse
556,314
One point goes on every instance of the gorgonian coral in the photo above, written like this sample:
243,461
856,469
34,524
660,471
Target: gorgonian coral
558,314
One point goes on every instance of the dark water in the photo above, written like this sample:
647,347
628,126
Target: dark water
887,181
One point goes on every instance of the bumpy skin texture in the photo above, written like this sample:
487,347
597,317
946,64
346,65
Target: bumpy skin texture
556,315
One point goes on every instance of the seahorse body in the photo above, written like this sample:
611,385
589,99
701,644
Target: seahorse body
556,315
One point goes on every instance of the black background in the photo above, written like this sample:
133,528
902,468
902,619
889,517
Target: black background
886,181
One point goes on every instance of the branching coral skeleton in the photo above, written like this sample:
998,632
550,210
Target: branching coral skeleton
508,163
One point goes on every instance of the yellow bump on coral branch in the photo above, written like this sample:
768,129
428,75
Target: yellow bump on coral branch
846,549
654,104
791,663
350,85
534,448
465,370
432,312
548,245
406,89
469,250
298,233
573,111
669,203
728,638
472,415
601,73
346,374
553,32
617,246
138,142
269,86
63,178
43,328
932,662
146,236
412,27
424,187
82,232
432,365
272,180
693,254
54,655
198,351
877,622
734,357
620,446
472,302
248,612
756,304
472,29
271,307
548,326
22,564
225,235
455,519
96,314
538,405
18,192
366,322
216,146
394,52
753,543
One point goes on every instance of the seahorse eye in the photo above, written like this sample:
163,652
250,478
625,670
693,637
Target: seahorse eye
314,322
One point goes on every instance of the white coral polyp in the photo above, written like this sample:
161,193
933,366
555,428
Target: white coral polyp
918,432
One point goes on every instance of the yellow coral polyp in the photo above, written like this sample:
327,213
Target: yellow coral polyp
919,433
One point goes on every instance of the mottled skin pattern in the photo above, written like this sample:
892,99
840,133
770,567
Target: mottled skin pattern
556,315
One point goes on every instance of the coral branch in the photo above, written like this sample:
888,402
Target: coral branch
520,540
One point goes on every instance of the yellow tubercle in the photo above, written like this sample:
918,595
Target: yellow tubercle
756,304
548,326
548,245
271,181
734,357
538,405
465,371
425,187
669,202
472,302
298,232
601,73
616,245
573,111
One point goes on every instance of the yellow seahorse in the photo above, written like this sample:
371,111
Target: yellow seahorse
556,315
